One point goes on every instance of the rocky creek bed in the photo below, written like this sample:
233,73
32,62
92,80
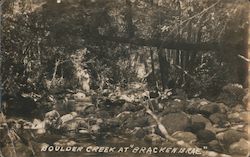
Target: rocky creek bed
133,119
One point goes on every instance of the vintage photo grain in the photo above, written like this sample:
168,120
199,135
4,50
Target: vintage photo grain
124,78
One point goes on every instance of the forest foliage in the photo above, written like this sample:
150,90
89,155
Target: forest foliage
95,44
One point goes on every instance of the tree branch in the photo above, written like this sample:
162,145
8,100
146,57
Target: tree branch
203,46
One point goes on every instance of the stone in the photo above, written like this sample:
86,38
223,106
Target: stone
194,104
71,125
123,116
52,120
177,105
215,145
185,136
240,148
175,122
231,136
90,110
131,107
154,139
205,136
52,115
95,129
68,117
133,122
223,108
80,107
238,108
79,96
232,94
200,118
196,126
245,116
234,117
139,133
65,143
218,118
208,109
103,114
246,98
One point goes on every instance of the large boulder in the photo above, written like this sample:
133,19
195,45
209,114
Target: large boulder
237,117
215,145
200,118
205,136
240,148
231,136
175,122
208,109
219,119
232,94
176,105
194,105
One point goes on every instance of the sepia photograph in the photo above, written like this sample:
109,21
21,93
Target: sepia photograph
124,78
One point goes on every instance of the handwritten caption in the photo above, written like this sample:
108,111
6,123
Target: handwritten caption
127,149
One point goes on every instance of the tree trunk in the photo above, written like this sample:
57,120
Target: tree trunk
164,68
128,16
153,66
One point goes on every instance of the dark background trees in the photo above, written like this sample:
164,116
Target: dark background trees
192,44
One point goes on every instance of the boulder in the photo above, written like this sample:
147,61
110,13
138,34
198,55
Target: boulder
237,117
230,136
52,115
215,145
135,121
240,148
238,108
198,118
223,108
95,129
185,136
52,120
39,126
208,109
79,96
175,122
131,107
68,117
80,107
71,125
246,98
103,114
90,110
65,143
154,139
232,94
196,126
205,136
194,105
176,105
245,116
234,117
139,133
218,118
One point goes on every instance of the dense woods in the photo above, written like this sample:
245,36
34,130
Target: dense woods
125,65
